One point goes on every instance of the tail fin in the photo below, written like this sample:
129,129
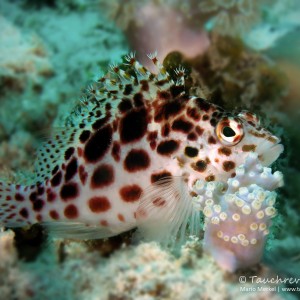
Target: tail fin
15,207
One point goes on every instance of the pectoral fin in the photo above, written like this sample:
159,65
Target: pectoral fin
164,211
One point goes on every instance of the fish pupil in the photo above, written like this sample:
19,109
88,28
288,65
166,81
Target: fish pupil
228,132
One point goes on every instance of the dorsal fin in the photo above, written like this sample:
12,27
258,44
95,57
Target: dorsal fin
128,79
100,102
51,152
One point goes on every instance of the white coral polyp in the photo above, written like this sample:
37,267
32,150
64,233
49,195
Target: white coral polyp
237,218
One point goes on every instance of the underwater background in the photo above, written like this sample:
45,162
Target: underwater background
239,54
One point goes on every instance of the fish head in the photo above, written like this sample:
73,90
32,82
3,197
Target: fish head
227,142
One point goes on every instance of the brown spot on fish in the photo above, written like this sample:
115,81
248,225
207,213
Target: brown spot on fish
161,82
138,100
133,126
39,218
159,202
224,151
176,90
71,169
199,130
24,213
272,139
168,109
125,105
130,193
54,214
192,193
212,140
98,144
153,145
144,85
69,191
165,130
121,218
210,178
84,136
51,196
205,118
228,165
79,151
128,89
82,174
191,151
136,160
54,171
99,204
33,196
100,123
181,161
19,197
213,122
248,148
69,152
71,212
199,166
152,135
158,176
182,125
257,134
102,176
56,179
115,151
192,136
193,113
167,147
38,205
163,95
202,104
104,223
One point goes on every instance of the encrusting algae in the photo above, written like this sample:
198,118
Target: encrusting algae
130,156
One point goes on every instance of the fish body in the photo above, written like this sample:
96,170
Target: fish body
129,156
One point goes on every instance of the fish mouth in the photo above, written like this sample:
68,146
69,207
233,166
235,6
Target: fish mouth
267,155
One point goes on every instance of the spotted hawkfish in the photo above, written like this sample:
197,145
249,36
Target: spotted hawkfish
129,156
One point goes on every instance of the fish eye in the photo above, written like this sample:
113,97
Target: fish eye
230,131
